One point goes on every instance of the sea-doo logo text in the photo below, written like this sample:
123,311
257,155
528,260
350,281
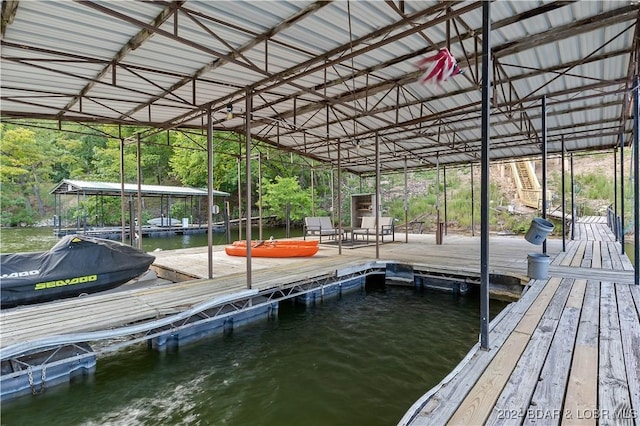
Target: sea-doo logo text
68,281
21,274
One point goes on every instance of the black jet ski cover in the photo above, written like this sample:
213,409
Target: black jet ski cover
77,264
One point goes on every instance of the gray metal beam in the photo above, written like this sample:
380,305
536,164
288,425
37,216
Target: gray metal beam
486,128
636,184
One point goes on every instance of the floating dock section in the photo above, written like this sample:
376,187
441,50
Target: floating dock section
30,367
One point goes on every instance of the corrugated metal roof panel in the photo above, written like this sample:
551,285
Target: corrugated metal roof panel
358,58
72,186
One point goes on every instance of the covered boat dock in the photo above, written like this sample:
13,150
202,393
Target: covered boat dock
131,196
589,293
340,84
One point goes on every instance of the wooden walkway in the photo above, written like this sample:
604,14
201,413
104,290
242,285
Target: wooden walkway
568,352
570,344
148,301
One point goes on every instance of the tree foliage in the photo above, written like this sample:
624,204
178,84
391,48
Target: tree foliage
26,161
189,162
21,154
283,192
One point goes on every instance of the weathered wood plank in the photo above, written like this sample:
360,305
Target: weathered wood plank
439,408
572,248
577,259
547,400
635,293
587,257
582,388
630,334
480,402
613,388
576,373
624,259
616,257
477,405
596,258
606,256
561,255
516,395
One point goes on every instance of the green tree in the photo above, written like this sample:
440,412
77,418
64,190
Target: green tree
157,152
189,161
100,211
283,191
26,161
106,162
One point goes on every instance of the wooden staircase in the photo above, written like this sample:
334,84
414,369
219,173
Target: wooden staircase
527,183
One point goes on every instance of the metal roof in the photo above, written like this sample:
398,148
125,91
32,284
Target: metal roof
70,186
329,75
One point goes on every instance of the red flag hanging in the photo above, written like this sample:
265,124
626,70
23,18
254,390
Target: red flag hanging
439,67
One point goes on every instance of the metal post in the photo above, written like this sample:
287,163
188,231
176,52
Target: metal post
247,121
378,209
333,210
473,202
227,220
613,225
288,221
564,213
123,208
240,193
210,189
636,186
438,220
406,203
84,212
139,155
132,228
78,216
260,197
544,165
313,202
621,192
444,178
485,123
339,198
60,213
573,200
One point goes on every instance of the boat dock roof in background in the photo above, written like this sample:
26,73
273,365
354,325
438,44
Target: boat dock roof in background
69,186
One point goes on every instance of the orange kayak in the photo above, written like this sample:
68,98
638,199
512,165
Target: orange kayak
269,248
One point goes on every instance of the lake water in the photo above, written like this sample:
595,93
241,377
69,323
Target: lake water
21,240
360,360
363,359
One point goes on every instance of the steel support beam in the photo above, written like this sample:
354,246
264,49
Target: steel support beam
636,185
248,111
544,166
485,123
564,213
210,190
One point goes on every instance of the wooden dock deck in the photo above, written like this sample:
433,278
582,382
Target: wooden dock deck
149,301
568,352
571,344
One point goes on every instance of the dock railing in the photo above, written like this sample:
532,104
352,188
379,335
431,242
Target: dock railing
614,222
